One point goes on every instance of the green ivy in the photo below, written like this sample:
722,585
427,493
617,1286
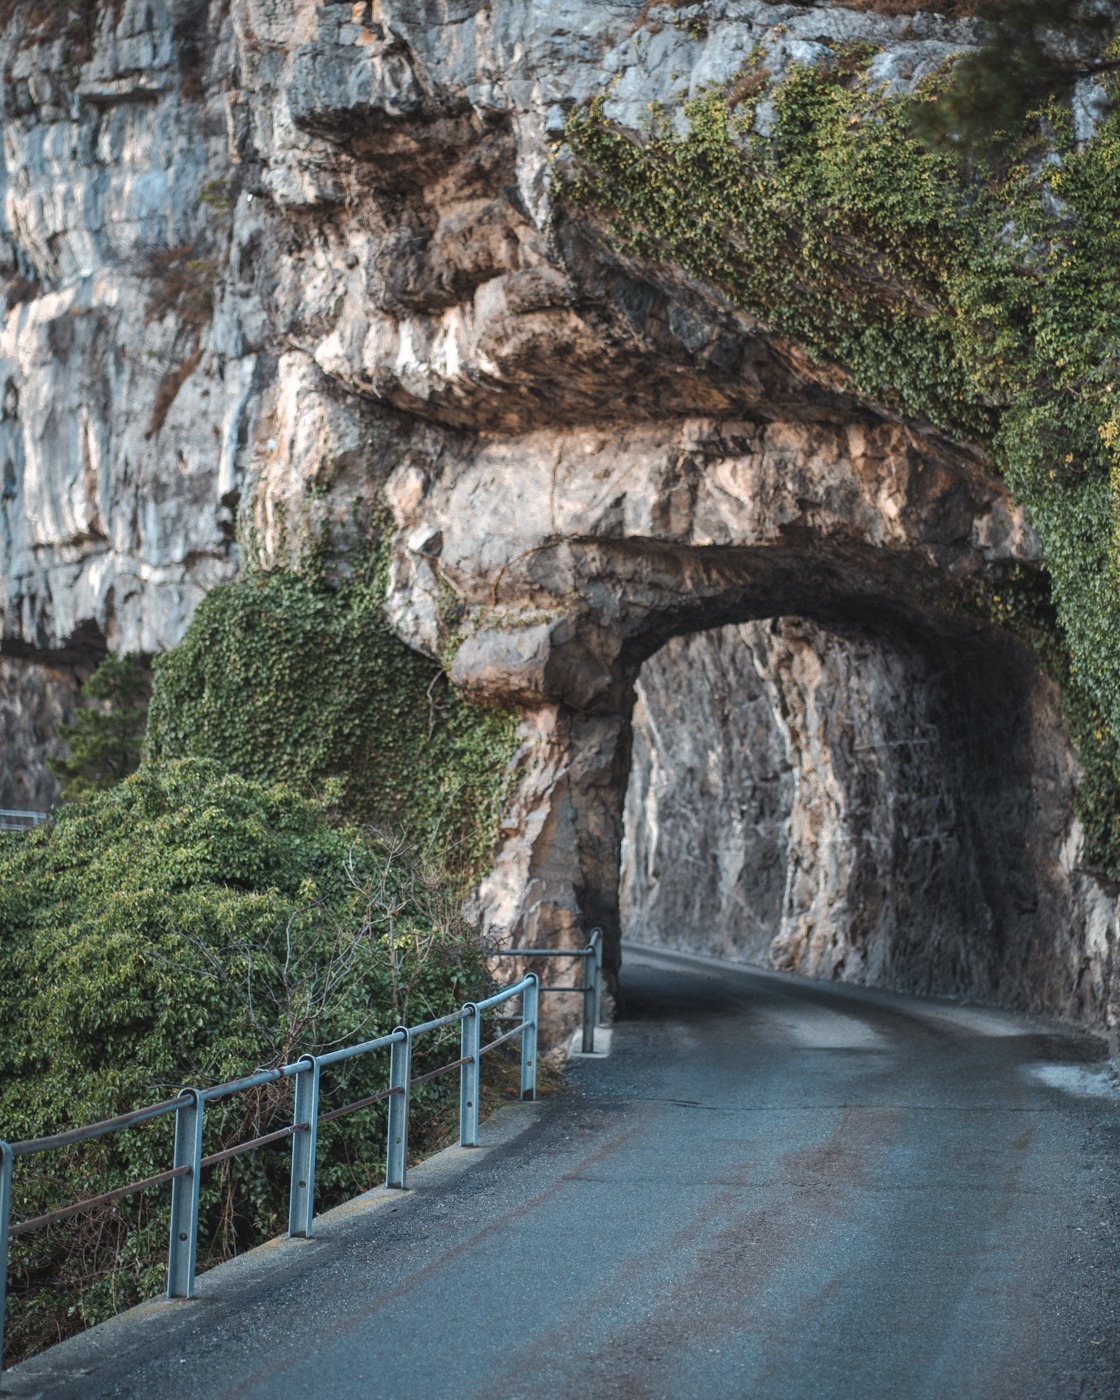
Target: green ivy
106,739
283,678
223,908
986,303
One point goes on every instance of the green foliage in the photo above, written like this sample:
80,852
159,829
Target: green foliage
786,227
987,304
282,678
1031,51
105,741
208,916
220,196
184,928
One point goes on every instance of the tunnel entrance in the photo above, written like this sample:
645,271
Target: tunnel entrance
876,807
764,711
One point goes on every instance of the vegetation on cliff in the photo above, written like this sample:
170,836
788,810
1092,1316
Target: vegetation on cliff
282,678
106,739
983,299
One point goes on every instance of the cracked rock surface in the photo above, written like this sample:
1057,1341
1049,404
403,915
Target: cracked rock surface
851,806
266,262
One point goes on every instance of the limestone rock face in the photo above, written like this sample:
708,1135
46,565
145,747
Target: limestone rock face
267,263
857,806
233,235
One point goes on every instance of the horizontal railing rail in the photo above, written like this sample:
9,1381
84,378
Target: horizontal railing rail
591,988
11,820
188,1161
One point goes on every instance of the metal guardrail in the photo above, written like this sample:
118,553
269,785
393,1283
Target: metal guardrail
591,987
20,821
188,1163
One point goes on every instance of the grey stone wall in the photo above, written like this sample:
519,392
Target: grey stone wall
34,701
879,809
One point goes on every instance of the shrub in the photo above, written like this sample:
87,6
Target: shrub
105,740
185,928
284,679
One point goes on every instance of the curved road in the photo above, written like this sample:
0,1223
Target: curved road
772,1188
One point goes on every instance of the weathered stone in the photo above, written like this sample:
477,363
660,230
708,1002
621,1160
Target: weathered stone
270,262
866,806
34,701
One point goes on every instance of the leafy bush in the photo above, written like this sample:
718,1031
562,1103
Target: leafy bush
283,679
105,740
185,928
210,915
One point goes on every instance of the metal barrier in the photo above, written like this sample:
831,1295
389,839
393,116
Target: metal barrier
591,986
188,1163
20,821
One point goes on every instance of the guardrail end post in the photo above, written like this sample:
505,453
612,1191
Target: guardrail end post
182,1256
530,1017
301,1199
470,1076
588,1042
596,941
400,1074
5,1217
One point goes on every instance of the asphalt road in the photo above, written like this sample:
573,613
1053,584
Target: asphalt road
773,1189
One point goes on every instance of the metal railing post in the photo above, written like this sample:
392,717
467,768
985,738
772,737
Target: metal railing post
589,998
301,1198
530,1015
596,941
470,1076
5,1217
400,1073
182,1256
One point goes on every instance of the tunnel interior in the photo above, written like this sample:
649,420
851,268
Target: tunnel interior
879,806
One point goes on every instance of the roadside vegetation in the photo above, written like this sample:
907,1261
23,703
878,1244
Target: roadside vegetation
185,928
283,873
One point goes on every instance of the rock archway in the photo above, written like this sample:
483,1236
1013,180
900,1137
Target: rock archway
557,565
348,272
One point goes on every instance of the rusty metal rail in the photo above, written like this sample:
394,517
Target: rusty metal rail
40,1222
185,1174
591,988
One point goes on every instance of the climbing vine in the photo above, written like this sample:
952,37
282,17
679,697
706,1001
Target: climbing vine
283,677
985,301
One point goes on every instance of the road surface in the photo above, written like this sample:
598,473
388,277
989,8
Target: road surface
772,1188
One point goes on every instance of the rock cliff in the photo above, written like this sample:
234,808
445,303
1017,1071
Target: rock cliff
896,814
270,263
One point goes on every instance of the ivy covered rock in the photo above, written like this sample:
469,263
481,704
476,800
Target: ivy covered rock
285,680
982,302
